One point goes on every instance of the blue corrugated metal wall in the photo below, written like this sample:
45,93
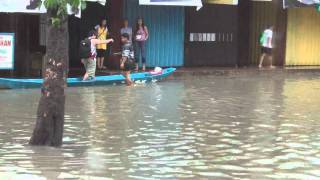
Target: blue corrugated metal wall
165,46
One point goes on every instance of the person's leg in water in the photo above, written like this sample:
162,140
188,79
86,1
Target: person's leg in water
126,72
143,55
263,55
86,75
127,77
90,69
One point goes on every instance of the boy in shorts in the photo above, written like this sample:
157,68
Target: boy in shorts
266,46
127,63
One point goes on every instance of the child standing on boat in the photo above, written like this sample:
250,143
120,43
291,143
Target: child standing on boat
127,63
88,54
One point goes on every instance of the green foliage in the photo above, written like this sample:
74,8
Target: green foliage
318,7
59,8
83,5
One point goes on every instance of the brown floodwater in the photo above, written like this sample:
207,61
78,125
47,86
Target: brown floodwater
206,127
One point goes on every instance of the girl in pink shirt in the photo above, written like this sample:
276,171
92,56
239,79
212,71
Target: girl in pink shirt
141,36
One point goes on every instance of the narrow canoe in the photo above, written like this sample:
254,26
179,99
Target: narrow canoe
11,83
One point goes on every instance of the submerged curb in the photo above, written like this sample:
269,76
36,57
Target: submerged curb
184,72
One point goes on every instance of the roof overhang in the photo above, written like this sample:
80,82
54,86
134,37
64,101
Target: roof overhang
300,3
27,6
195,3
102,2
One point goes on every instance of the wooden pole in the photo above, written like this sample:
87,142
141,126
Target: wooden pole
115,13
243,32
280,37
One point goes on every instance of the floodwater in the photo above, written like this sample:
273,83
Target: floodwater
207,127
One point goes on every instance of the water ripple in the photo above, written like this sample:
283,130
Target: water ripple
199,128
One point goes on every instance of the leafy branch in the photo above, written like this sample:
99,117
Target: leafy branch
59,9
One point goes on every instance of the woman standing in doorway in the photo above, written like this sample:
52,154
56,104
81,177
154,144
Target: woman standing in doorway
141,36
126,29
102,32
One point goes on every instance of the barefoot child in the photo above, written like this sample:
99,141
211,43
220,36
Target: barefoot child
266,46
127,63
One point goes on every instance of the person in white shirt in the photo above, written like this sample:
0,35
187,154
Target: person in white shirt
266,46
89,61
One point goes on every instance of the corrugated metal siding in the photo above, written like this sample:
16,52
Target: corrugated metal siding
220,20
165,46
303,40
262,15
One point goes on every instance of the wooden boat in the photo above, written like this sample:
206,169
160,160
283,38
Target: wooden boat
12,83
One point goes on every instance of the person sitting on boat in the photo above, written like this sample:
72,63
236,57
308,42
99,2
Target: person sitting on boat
88,53
127,63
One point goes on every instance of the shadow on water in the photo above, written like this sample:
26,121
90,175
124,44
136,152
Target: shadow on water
197,128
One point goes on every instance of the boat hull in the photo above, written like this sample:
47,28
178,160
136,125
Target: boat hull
11,83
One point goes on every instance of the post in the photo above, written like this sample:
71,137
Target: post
243,32
115,14
280,38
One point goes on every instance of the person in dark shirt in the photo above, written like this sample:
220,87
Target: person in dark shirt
127,63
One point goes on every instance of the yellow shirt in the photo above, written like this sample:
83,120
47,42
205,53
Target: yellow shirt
102,35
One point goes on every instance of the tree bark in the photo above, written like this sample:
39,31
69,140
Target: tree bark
50,115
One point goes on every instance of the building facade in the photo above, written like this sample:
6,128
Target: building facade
217,35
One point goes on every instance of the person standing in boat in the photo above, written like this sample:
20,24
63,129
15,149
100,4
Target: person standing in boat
126,29
127,63
88,53
102,32
141,37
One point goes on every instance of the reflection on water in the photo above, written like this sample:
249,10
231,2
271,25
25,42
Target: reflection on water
199,128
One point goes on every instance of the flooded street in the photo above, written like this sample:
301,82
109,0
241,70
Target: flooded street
205,127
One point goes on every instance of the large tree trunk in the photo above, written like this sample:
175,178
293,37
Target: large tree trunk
50,115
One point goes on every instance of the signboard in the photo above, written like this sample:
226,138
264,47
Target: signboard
299,3
196,3
25,6
7,51
228,2
32,6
